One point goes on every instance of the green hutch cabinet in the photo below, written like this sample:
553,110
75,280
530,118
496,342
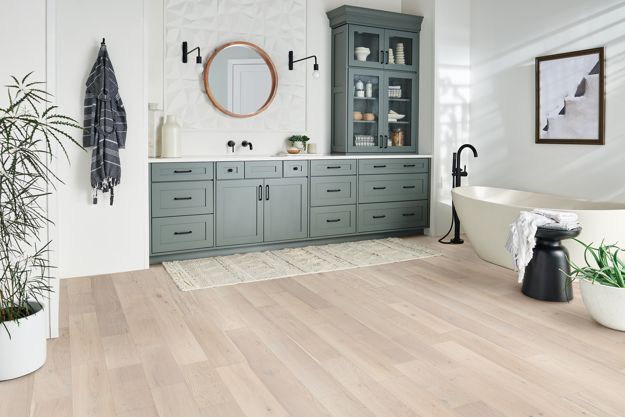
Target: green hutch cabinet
375,84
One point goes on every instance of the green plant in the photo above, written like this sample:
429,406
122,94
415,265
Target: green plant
602,266
298,138
30,132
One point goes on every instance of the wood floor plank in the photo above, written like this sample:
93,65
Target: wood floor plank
448,336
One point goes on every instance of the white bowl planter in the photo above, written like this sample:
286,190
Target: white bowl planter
606,305
25,351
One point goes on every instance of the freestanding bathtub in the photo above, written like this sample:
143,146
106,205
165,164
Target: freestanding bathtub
486,213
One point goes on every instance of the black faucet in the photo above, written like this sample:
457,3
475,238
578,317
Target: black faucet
246,143
232,143
457,173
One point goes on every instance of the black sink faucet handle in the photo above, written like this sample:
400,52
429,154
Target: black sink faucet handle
231,144
246,143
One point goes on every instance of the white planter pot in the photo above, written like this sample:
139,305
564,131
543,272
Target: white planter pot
606,305
25,351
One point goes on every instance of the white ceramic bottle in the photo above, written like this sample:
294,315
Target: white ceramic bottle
170,138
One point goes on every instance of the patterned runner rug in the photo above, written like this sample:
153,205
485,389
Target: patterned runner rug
218,271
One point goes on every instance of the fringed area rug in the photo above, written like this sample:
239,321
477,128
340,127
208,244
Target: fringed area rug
218,271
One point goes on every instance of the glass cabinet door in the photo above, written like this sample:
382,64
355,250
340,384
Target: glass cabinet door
365,116
366,46
401,50
401,118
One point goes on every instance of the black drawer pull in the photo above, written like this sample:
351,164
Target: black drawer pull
333,220
409,165
333,167
408,214
260,193
188,232
379,188
379,166
295,168
230,170
408,186
183,171
379,217
334,190
182,198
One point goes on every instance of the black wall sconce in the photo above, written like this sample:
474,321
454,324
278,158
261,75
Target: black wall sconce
186,52
315,73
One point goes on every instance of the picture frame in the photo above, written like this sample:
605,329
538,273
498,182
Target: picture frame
570,98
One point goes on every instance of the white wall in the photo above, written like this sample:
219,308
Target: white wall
444,94
317,90
506,36
102,239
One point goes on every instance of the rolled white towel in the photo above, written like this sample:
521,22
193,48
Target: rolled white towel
562,226
558,216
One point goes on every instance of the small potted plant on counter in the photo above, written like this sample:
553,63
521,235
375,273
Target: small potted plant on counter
30,133
299,141
602,283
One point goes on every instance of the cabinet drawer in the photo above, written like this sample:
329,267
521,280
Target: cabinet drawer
230,170
332,221
170,234
263,169
332,191
333,167
184,171
295,168
392,187
393,166
177,199
392,216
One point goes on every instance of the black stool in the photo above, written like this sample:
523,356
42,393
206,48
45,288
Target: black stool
544,277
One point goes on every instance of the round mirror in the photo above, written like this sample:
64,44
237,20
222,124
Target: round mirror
240,79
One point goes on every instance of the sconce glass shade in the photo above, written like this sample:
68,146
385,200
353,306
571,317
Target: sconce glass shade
315,73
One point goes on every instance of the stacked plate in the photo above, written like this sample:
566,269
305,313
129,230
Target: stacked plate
400,58
364,140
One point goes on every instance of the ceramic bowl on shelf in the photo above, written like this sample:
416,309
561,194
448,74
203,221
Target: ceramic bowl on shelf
357,115
395,117
362,53
369,117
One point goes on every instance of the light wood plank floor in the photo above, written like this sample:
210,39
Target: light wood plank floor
444,336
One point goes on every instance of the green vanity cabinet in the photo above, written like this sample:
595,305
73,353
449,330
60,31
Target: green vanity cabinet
201,209
374,84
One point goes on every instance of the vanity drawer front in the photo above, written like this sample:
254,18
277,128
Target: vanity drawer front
170,234
392,216
184,171
230,170
392,187
332,191
295,168
263,169
178,199
393,166
333,167
332,220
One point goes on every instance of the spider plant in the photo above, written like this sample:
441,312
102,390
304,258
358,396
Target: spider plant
31,131
603,265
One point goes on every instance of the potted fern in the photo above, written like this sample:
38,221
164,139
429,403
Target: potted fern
30,131
602,283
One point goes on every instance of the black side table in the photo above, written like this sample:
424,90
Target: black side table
544,277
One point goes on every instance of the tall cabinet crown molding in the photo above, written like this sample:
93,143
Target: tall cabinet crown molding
371,17
375,104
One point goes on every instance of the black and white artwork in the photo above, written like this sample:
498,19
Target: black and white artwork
570,98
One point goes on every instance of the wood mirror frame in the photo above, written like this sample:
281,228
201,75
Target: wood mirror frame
270,65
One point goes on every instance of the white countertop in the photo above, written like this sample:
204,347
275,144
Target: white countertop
242,157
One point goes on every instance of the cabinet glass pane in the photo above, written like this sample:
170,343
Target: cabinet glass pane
400,50
400,110
365,117
367,46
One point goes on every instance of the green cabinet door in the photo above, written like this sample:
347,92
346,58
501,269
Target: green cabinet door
286,209
239,212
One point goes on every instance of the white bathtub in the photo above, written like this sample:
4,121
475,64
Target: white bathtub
486,213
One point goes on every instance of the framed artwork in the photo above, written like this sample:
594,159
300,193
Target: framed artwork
570,101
